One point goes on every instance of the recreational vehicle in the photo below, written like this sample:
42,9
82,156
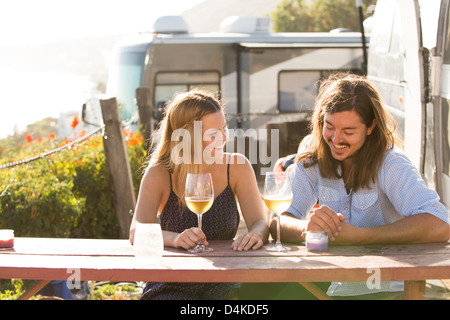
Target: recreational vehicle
409,62
263,78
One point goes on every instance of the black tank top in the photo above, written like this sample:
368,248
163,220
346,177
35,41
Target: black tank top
218,223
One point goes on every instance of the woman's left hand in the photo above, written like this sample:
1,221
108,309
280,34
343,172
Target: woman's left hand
247,241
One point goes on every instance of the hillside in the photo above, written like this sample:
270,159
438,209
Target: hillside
90,56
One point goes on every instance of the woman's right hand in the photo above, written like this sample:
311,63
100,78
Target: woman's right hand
189,238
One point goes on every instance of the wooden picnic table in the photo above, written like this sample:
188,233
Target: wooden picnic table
47,259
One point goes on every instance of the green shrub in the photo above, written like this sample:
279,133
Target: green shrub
114,291
67,194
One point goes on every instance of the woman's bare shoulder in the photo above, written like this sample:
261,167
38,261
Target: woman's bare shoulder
240,168
237,160
156,174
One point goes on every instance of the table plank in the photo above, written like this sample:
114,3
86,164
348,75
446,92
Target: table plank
122,247
71,247
220,269
113,260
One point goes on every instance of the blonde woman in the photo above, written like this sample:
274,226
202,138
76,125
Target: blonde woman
190,139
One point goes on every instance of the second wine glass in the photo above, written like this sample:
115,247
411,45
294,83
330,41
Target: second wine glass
199,197
277,197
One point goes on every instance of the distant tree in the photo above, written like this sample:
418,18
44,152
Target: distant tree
42,128
317,15
293,16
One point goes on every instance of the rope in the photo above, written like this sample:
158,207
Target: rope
67,146
6,190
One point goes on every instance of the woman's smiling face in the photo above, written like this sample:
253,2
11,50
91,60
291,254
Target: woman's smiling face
215,133
345,134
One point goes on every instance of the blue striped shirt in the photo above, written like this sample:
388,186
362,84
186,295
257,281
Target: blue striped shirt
398,192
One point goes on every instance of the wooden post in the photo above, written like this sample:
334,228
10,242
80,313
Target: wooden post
33,290
414,290
118,165
146,122
315,290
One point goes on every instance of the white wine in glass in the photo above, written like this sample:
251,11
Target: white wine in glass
199,197
198,205
277,197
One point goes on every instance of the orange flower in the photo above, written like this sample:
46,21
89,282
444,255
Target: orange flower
51,135
75,122
135,139
28,138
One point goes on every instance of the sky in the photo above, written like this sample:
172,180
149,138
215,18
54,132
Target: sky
25,96
37,21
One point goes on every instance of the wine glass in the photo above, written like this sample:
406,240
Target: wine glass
199,197
277,197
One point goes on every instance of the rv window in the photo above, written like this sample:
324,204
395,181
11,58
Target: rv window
384,26
125,78
297,90
187,77
170,83
164,93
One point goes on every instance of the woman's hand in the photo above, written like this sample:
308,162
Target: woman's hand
189,238
247,241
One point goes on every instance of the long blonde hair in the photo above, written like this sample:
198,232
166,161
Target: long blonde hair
181,113
347,92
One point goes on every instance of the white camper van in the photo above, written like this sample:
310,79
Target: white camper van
262,77
409,61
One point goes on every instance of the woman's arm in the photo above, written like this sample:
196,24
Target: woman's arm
243,183
150,195
153,194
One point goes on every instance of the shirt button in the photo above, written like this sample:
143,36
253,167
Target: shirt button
345,208
362,207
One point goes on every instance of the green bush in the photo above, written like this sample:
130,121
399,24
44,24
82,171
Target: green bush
67,194
12,289
114,291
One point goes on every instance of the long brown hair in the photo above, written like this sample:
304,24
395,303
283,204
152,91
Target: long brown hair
347,92
181,113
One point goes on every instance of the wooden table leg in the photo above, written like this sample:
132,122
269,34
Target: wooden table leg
34,289
315,290
414,289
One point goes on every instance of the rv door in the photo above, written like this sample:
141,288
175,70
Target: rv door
395,67
440,98
409,62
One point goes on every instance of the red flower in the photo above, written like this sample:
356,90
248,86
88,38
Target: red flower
51,135
28,138
135,139
75,122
